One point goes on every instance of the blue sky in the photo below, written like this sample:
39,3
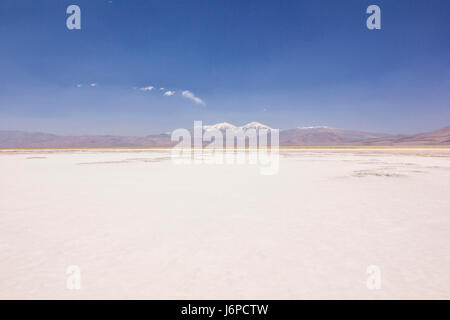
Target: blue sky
283,63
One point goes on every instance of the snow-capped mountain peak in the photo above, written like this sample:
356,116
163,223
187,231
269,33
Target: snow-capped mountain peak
255,125
314,127
226,125
220,126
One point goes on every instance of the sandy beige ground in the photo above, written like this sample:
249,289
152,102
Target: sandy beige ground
139,226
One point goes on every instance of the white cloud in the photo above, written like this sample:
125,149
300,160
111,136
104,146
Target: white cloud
161,88
93,84
189,95
149,88
79,85
169,93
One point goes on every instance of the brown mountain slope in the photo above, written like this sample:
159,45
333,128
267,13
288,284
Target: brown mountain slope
19,139
324,136
436,137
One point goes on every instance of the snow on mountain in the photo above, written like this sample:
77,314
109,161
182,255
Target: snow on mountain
315,127
226,125
220,126
255,125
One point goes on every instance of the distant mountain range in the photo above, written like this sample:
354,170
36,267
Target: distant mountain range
20,139
436,137
325,136
301,136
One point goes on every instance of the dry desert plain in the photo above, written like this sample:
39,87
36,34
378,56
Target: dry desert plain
140,226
